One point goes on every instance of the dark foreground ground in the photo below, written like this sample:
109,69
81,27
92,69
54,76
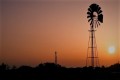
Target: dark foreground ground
50,71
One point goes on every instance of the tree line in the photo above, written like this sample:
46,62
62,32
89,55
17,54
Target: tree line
51,71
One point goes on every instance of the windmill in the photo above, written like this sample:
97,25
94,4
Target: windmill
95,17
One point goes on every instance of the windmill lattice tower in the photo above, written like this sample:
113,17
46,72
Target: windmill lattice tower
95,17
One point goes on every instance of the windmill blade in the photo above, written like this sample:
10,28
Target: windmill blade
95,25
93,7
100,11
89,10
91,23
88,13
100,18
89,20
97,6
98,23
88,16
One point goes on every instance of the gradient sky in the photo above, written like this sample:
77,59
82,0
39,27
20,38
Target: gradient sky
32,30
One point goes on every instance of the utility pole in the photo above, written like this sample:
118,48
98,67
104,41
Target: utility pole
55,57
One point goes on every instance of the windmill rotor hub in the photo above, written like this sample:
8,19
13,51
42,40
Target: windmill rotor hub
95,15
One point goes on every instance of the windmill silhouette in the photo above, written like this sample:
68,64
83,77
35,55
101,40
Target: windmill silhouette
95,17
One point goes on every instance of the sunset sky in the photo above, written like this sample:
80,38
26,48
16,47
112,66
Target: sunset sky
32,30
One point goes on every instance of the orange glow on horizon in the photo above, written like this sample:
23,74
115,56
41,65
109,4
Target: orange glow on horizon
33,31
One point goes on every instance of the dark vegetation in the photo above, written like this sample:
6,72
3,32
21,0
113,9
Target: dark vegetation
51,71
